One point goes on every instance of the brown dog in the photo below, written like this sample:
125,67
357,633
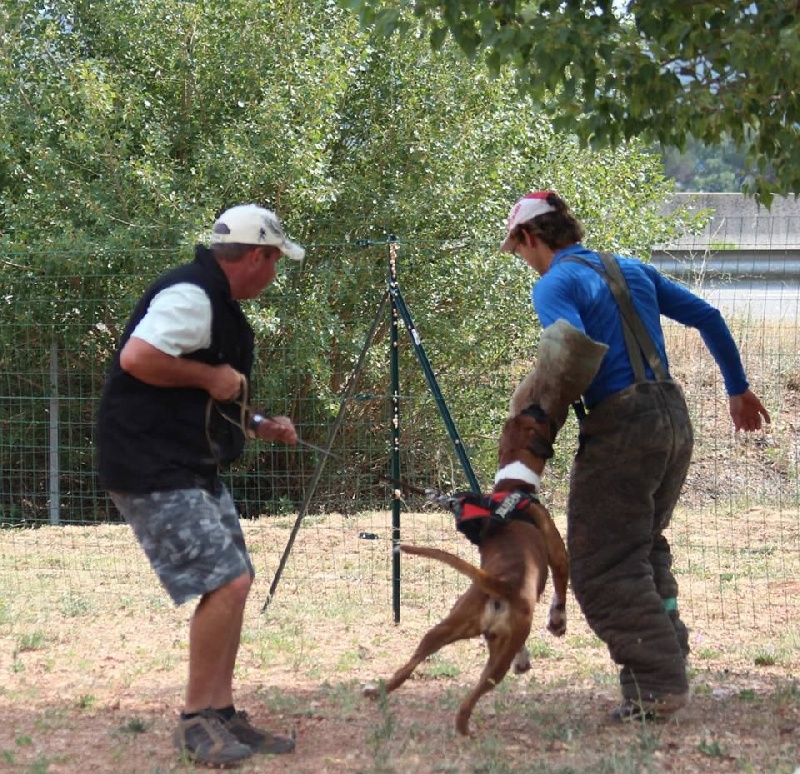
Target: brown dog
515,555
519,540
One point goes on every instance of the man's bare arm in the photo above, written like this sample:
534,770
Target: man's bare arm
152,366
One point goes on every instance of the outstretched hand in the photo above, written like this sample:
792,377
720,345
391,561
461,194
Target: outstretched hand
278,429
747,411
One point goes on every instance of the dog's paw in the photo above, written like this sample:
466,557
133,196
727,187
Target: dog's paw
557,624
370,690
462,723
557,629
522,661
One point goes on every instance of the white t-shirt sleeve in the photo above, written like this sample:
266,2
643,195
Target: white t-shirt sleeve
178,320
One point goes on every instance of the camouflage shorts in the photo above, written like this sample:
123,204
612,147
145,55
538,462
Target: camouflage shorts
193,540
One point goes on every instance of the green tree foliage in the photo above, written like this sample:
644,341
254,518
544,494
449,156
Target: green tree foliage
127,124
720,168
130,122
654,69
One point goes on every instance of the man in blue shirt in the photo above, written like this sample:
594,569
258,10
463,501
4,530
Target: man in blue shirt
635,443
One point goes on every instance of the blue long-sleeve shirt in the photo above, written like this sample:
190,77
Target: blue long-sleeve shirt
573,291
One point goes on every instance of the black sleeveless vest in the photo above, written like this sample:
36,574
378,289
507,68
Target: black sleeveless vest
158,438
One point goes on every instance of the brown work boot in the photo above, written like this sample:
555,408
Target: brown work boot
632,710
205,740
257,740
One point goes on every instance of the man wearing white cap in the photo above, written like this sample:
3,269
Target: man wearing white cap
635,443
167,425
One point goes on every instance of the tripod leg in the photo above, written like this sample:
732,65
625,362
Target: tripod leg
348,394
430,377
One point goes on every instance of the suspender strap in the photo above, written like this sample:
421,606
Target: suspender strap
638,341
623,297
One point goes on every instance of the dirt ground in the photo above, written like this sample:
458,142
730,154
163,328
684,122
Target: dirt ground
93,658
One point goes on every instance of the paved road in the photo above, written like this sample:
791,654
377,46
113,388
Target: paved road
758,301
759,286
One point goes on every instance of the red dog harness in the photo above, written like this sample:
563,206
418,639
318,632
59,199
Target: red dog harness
477,514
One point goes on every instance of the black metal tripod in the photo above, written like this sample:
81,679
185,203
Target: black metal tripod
399,312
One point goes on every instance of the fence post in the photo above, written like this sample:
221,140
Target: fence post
53,488
395,428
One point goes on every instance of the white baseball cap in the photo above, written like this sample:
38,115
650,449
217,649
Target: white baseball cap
528,207
249,224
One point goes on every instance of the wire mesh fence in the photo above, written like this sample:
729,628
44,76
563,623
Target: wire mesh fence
736,538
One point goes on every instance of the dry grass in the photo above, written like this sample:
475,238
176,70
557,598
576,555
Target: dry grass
92,659
93,655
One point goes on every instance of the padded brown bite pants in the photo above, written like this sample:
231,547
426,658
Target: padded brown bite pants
633,457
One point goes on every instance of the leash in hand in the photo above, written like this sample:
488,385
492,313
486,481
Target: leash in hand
242,401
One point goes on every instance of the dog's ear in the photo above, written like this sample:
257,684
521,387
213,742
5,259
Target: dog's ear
567,361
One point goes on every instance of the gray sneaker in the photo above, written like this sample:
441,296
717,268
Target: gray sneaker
204,739
256,739
642,710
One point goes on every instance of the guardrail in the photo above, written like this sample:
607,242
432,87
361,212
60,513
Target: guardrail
766,265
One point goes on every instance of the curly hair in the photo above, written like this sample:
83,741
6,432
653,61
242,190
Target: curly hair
556,229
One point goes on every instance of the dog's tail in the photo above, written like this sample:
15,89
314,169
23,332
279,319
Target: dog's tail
494,587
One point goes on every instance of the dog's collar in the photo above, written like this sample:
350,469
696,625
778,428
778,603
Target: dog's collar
519,472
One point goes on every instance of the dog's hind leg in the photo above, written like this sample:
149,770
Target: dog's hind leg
462,623
493,673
